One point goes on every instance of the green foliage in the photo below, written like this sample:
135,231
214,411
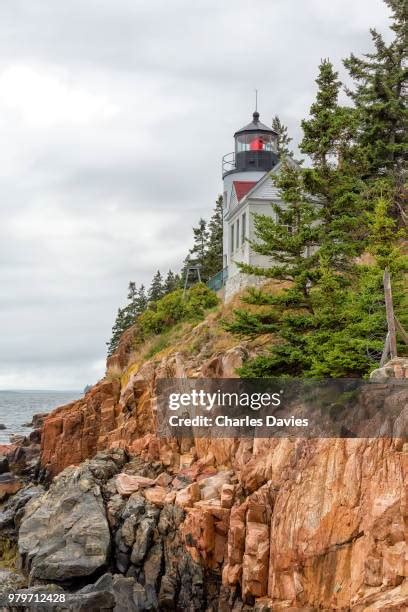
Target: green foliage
198,251
324,131
213,252
379,95
283,139
331,320
156,289
172,282
126,316
174,308
207,248
289,237
250,324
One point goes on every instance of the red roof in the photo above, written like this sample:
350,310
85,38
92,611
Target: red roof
242,188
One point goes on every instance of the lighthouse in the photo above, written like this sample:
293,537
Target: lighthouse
248,188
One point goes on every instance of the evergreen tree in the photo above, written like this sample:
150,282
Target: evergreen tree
198,252
380,96
119,327
323,130
127,316
289,238
141,300
213,253
334,179
156,289
283,140
312,237
172,282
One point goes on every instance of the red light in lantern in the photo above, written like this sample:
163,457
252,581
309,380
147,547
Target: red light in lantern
257,144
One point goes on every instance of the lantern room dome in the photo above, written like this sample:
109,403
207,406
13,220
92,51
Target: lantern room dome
255,126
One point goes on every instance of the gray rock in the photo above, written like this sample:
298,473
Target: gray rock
64,533
2,426
37,421
143,538
128,530
13,509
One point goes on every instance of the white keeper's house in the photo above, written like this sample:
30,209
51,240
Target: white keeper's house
248,188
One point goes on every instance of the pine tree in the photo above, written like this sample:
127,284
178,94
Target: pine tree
213,254
119,327
127,316
198,252
289,237
334,180
283,140
312,237
380,96
172,282
323,130
156,289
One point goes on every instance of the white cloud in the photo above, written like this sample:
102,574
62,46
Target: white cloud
43,98
113,120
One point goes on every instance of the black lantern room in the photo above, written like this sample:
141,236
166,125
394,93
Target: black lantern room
255,147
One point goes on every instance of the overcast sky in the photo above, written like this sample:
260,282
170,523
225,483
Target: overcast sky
114,116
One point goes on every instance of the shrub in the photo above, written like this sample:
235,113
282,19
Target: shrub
174,308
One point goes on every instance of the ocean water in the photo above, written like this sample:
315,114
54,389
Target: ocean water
18,407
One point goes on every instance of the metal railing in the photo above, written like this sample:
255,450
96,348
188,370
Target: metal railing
218,281
228,162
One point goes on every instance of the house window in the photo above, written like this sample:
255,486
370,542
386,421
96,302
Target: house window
232,239
280,219
243,228
237,234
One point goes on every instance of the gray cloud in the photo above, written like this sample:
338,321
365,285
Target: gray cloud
113,120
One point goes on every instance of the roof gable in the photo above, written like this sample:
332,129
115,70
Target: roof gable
242,188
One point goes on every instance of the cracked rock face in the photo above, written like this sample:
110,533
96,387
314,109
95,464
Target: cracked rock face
301,523
64,533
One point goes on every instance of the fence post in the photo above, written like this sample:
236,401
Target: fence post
390,314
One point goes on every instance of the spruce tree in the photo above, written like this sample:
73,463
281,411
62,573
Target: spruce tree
380,96
283,140
290,239
312,236
198,252
334,179
156,289
172,282
119,327
213,253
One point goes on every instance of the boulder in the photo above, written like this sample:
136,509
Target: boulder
156,496
13,509
127,484
2,426
64,533
227,495
211,486
188,496
163,479
37,420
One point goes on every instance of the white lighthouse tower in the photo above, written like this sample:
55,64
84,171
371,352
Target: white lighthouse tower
248,188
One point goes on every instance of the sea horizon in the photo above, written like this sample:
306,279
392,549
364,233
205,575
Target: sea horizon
17,407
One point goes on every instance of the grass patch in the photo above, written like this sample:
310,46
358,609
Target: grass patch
8,554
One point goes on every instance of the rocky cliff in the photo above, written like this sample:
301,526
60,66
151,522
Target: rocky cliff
235,524
307,524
